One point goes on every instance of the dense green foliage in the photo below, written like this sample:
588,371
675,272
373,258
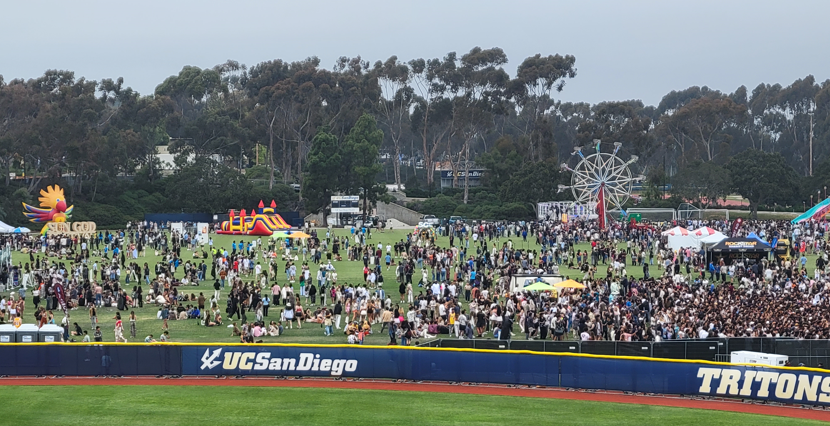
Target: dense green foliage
99,138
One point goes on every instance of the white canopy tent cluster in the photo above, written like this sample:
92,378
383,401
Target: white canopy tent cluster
679,237
8,229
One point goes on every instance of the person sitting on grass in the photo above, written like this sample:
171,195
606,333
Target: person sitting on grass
273,331
236,331
217,316
207,320
149,339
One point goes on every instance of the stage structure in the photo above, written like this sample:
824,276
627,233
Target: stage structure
601,178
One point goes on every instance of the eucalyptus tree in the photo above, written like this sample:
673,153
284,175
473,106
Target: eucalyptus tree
537,78
392,109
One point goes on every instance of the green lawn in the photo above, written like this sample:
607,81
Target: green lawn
348,272
187,405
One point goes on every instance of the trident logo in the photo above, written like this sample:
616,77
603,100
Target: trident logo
209,360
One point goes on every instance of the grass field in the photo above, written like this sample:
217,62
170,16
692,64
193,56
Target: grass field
187,405
348,272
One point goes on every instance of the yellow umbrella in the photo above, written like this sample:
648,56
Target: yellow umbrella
299,234
569,284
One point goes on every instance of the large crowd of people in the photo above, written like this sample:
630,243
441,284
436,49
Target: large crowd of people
425,285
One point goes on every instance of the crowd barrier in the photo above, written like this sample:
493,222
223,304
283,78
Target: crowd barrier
633,374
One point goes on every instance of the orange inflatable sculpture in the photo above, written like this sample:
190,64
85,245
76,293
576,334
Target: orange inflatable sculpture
260,222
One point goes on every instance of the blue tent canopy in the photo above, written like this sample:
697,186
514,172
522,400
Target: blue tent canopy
753,236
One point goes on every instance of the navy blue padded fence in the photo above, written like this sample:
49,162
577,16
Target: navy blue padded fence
91,360
691,378
633,374
450,366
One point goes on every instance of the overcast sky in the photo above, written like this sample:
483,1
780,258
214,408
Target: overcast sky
624,49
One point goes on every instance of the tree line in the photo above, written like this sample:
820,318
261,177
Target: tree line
275,123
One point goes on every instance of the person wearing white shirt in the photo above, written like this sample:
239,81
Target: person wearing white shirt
461,322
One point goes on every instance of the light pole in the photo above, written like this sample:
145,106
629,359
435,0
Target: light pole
804,205
811,200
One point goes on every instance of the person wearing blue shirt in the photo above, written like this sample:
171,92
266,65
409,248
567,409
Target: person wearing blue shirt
266,302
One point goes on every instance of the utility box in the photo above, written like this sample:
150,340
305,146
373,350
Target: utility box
50,333
748,357
27,333
8,333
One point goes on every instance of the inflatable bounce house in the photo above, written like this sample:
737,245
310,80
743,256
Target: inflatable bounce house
52,207
260,222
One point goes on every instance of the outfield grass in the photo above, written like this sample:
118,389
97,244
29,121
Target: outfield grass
187,405
348,272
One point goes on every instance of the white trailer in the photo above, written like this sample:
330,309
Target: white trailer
748,357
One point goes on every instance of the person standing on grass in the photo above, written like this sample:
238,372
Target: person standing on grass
275,293
328,322
119,329
93,316
312,293
132,324
338,310
288,314
302,281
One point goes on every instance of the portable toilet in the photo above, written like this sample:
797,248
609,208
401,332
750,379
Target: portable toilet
50,333
7,333
27,333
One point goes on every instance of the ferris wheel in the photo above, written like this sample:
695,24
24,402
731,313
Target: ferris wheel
602,178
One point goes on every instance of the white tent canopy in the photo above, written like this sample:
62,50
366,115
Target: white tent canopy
676,231
6,229
704,232
712,239
677,242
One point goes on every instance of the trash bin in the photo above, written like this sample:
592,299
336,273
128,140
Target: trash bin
7,333
50,333
27,333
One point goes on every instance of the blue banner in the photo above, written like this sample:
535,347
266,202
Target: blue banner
798,386
357,361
